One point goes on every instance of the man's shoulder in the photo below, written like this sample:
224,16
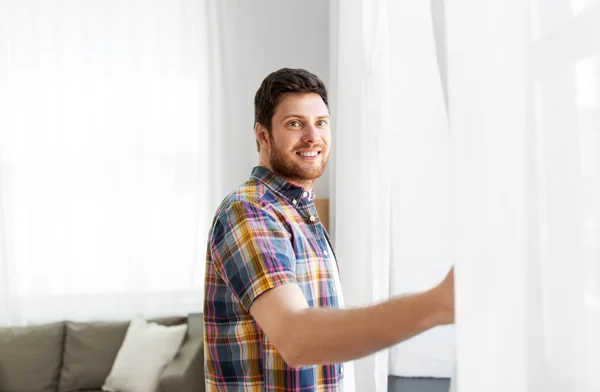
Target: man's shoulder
252,200
250,192
253,193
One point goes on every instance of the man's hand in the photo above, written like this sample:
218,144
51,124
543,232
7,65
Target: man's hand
444,294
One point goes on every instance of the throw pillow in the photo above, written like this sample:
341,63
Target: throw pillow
146,350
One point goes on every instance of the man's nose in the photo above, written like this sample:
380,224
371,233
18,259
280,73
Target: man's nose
311,134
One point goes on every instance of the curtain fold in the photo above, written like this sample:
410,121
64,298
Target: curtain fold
362,180
392,181
422,213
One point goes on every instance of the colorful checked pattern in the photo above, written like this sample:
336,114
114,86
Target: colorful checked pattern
265,234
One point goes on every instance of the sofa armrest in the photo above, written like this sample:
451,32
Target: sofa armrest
186,372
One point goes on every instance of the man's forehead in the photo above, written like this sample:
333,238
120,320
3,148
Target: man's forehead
305,105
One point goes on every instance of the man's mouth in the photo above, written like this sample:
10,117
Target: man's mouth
311,153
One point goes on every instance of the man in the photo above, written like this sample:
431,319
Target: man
272,312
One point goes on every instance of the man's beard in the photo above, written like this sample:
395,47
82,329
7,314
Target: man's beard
291,170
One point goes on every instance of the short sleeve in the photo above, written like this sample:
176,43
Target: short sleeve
251,251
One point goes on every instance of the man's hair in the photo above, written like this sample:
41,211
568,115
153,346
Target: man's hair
279,83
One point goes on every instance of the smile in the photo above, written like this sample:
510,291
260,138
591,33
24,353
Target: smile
309,153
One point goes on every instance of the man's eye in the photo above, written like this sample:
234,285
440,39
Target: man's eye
322,123
293,123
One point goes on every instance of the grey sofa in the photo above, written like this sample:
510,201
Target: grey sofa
78,356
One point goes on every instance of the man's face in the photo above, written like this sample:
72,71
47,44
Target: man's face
298,147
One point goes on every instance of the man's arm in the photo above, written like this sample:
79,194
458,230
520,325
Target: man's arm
310,336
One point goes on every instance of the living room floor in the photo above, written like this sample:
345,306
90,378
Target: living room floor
402,384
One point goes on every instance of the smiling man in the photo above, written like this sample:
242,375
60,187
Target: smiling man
274,316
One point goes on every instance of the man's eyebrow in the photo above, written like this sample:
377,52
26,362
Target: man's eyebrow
301,116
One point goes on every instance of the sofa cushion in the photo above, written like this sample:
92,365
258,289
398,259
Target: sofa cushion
30,357
90,350
147,349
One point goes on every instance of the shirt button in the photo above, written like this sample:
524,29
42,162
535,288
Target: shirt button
305,194
333,290
295,201
325,252
341,370
312,218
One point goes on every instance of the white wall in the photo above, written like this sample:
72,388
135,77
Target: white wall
263,36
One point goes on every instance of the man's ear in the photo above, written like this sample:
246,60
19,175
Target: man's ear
262,135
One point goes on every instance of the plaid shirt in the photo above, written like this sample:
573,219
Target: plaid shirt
265,234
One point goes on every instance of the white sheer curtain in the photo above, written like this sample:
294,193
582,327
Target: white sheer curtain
362,171
109,170
392,181
421,175
524,98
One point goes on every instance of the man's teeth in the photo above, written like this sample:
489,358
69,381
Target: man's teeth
309,154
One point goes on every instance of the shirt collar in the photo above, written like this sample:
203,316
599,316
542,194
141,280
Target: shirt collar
280,186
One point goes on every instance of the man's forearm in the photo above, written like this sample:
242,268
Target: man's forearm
324,336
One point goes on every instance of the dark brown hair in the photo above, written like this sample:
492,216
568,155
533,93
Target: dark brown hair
279,83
